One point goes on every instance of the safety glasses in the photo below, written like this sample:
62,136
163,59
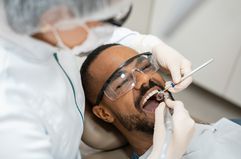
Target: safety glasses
123,79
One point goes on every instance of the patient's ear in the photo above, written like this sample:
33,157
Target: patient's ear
103,113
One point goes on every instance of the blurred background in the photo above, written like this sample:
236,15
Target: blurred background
200,30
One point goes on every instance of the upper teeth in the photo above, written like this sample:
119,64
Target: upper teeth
150,95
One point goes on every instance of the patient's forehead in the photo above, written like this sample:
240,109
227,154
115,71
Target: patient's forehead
107,62
110,59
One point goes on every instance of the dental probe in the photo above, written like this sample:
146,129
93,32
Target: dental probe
188,75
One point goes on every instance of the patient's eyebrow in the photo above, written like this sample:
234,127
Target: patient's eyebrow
141,59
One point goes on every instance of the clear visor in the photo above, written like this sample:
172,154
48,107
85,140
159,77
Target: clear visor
124,78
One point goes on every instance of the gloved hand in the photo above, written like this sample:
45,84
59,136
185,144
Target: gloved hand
175,63
183,130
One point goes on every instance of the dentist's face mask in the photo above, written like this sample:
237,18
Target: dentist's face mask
96,36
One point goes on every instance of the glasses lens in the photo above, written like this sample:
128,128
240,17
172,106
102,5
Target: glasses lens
120,85
123,80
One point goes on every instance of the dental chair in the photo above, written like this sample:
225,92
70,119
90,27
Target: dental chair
101,140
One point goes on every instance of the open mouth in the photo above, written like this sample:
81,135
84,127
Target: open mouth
152,99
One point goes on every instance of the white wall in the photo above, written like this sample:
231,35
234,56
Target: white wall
139,19
199,29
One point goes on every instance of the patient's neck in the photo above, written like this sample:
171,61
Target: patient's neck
140,141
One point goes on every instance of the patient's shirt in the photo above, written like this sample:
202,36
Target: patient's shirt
221,140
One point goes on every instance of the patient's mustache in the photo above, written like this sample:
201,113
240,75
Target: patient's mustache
143,91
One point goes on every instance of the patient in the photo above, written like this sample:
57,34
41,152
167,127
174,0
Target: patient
133,114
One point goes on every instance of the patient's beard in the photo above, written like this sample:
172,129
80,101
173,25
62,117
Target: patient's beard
136,122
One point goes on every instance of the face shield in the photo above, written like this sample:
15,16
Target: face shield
29,16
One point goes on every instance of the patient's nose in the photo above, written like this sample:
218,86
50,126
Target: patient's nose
141,79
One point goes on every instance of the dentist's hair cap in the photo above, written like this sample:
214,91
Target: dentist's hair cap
31,16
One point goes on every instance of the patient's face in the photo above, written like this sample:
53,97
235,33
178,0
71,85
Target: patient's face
135,109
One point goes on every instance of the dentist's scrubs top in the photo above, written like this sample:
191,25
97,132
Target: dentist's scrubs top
41,99
41,103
